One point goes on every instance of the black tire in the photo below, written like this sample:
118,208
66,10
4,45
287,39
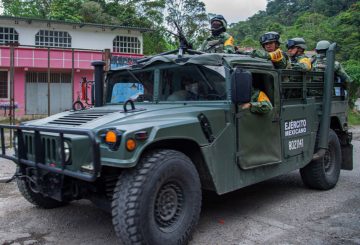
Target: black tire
159,201
37,198
78,105
323,174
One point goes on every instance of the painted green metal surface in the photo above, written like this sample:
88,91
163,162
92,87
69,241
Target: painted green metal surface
244,148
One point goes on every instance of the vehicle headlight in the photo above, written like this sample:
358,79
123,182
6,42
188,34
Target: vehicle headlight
67,151
15,142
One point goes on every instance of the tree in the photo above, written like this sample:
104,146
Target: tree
44,9
22,8
157,41
190,15
67,10
92,12
352,67
142,13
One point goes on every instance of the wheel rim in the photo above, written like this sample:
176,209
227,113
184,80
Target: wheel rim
328,160
168,205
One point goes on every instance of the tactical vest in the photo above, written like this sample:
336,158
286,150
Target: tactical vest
319,64
215,46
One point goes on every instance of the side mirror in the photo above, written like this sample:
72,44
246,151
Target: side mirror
241,83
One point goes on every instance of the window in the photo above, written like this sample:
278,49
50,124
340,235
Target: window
8,35
123,44
49,38
42,77
192,83
176,83
4,85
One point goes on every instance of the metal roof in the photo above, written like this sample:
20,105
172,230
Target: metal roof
211,59
77,24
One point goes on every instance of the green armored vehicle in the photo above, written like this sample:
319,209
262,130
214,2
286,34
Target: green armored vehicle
147,158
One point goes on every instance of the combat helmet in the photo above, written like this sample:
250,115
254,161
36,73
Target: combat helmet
271,36
296,42
322,46
217,29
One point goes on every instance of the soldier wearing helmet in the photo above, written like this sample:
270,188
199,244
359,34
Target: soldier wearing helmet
296,48
270,41
219,41
319,62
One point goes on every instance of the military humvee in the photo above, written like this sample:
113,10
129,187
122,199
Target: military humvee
148,158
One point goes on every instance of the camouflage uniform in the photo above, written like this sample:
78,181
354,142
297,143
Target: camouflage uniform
260,102
301,62
320,65
279,58
223,43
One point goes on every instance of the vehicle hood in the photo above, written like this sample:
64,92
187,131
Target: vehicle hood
114,116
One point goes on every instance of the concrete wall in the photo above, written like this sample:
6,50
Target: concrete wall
88,42
86,37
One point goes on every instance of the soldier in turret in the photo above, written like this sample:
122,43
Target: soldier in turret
319,62
219,41
296,48
270,41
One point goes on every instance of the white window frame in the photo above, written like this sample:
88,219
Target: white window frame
127,44
51,38
13,35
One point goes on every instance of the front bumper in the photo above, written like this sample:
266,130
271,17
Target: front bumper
39,150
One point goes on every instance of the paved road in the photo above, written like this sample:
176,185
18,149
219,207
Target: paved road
278,211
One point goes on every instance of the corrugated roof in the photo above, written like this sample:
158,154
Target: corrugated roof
78,24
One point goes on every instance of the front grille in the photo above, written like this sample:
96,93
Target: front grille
49,148
80,118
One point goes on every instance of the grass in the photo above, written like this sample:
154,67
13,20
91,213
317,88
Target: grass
354,117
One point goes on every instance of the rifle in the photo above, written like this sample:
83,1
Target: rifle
185,46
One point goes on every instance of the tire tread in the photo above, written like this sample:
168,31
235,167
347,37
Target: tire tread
313,174
36,198
127,193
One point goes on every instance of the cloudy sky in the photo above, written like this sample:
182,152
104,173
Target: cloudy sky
235,10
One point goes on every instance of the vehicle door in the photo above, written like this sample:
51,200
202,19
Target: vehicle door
258,135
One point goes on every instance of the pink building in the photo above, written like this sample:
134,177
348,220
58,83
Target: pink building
67,48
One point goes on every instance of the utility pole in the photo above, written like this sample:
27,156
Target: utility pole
12,46
48,80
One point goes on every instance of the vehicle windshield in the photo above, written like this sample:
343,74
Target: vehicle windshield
175,83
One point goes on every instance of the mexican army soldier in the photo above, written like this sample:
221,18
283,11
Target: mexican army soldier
259,103
270,41
319,62
296,48
219,41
